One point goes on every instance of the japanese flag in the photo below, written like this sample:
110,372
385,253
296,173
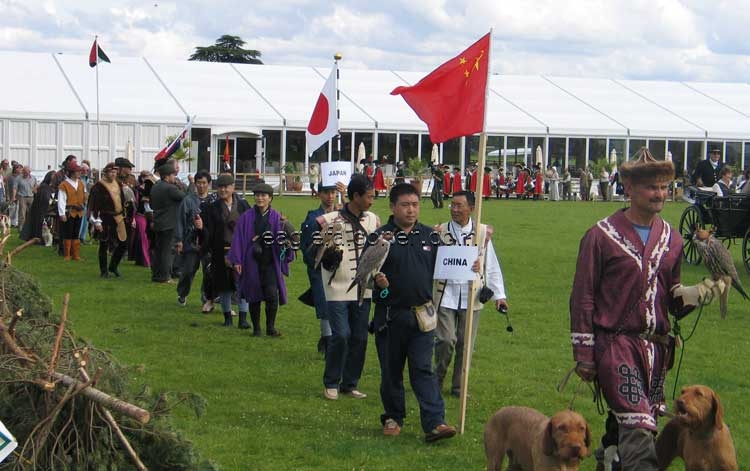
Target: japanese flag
324,122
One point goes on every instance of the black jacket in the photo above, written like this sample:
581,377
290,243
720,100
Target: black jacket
409,266
705,174
213,237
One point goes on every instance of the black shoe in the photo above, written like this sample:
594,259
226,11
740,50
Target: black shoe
182,301
115,271
104,274
227,319
242,324
273,333
257,333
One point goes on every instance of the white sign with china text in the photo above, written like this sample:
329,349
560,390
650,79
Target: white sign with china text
454,262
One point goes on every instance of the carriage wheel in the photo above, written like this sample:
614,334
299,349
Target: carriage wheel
690,220
746,250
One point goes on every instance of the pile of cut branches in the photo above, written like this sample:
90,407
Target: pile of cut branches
69,404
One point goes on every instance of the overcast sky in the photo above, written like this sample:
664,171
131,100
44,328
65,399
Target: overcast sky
702,40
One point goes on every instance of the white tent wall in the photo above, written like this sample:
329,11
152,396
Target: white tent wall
48,109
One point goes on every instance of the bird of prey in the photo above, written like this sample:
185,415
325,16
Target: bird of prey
370,262
719,262
329,236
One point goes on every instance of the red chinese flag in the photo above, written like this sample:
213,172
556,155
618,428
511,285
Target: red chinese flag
450,100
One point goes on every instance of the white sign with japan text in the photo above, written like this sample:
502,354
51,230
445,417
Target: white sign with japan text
334,172
454,262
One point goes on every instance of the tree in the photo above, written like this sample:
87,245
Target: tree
227,49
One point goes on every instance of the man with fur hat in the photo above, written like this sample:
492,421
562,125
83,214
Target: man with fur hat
107,215
165,198
626,283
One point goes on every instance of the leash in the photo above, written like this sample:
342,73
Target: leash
683,340
595,391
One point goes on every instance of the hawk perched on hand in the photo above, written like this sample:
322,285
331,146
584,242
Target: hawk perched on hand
369,265
719,262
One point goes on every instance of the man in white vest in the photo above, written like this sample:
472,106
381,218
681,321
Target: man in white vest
345,354
452,297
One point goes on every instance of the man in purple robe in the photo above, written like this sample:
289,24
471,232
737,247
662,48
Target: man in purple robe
627,280
260,255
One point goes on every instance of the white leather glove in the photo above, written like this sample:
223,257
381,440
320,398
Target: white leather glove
700,294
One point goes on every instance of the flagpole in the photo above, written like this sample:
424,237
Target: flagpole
469,322
98,123
336,58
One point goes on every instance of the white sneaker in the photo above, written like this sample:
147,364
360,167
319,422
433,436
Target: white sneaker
331,394
208,306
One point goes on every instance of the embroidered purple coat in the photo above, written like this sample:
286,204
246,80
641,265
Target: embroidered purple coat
241,253
622,293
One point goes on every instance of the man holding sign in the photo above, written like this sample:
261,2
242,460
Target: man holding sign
451,296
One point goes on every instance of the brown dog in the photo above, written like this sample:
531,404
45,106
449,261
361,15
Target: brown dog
535,442
697,433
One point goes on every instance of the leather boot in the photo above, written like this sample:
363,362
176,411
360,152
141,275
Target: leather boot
75,249
115,261
67,245
242,324
271,321
103,265
228,319
255,318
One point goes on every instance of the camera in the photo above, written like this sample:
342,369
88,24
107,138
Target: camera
485,294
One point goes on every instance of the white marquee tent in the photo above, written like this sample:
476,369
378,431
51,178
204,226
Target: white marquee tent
48,107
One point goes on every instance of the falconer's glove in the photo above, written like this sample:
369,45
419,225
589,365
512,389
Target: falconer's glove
699,294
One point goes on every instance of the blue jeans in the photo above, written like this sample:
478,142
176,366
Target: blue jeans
226,302
345,356
401,341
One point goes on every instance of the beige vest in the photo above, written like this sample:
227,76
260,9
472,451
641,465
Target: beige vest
336,288
438,286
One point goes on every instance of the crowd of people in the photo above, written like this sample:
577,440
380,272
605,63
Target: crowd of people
245,251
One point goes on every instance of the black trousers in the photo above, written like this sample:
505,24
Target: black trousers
161,261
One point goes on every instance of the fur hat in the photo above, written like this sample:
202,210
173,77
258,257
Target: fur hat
110,166
645,167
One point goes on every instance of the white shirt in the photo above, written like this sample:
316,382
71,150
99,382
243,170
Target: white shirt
458,291
62,197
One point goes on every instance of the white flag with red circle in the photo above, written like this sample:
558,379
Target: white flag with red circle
324,122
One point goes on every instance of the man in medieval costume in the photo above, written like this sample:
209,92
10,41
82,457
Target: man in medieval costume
106,209
626,283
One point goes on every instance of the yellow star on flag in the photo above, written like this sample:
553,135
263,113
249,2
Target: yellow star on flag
462,61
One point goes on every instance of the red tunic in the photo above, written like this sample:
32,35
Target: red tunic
457,182
486,187
539,184
447,183
379,182
621,293
521,182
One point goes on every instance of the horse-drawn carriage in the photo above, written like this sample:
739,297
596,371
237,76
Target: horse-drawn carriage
728,216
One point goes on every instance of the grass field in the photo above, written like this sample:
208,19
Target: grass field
265,404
